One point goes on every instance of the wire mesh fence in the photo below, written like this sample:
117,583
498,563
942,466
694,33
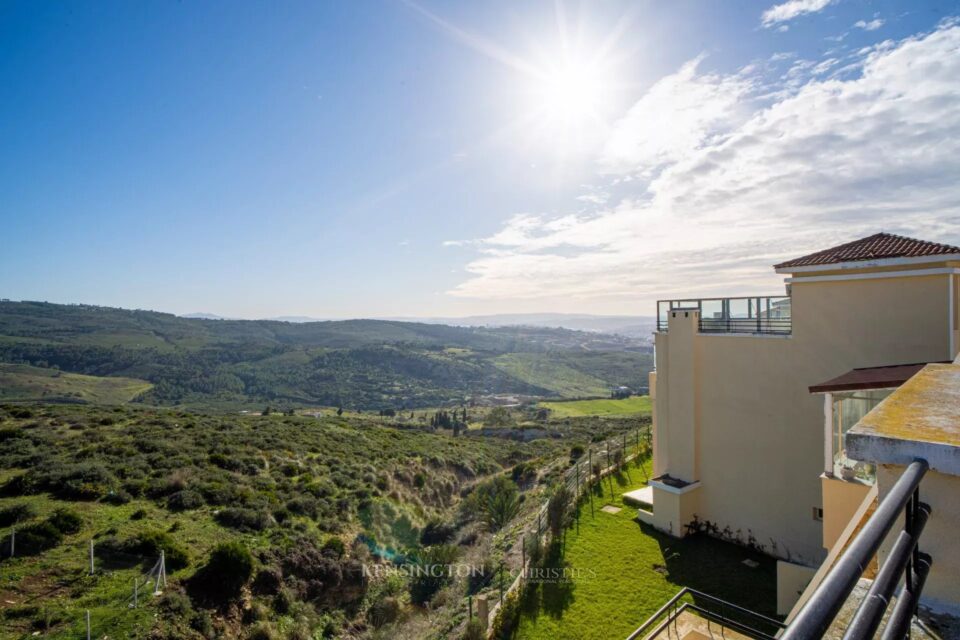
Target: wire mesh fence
598,462
82,589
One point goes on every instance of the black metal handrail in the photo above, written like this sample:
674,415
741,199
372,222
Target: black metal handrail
749,314
721,618
905,559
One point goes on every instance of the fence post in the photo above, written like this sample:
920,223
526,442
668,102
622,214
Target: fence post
590,482
576,501
91,556
136,591
501,584
88,624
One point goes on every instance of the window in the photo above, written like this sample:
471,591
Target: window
818,513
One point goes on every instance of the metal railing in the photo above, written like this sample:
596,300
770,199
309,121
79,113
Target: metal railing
904,560
671,611
760,314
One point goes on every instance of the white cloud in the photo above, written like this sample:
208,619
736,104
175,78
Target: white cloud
872,25
678,114
720,176
791,9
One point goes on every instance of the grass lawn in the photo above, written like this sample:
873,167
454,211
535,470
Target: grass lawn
634,405
625,571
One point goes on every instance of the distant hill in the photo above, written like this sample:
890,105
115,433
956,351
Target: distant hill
364,364
640,327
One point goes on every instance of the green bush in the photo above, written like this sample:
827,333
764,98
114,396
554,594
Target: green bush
151,543
474,631
496,502
229,568
243,519
66,522
437,532
431,574
184,500
333,547
508,617
384,611
17,513
37,538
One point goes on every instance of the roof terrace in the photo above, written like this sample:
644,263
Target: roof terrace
748,315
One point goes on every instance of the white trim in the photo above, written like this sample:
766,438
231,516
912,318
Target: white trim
656,484
875,276
719,334
828,434
817,393
950,315
868,264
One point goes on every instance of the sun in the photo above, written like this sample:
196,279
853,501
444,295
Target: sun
569,94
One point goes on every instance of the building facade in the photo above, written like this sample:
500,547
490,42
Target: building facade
742,448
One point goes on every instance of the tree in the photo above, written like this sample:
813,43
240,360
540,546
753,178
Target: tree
496,502
558,509
498,417
266,411
339,411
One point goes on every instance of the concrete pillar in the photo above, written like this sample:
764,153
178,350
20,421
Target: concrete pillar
483,612
682,402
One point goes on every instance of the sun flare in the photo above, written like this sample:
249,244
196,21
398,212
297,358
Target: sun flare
569,94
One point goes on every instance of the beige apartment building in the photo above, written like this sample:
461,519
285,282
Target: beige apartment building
753,396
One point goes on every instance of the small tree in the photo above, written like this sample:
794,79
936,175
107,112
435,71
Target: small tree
558,510
496,502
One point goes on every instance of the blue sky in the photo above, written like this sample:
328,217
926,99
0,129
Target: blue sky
390,158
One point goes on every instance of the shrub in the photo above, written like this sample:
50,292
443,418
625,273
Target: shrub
383,611
151,543
437,532
117,497
17,513
139,514
243,519
229,568
268,581
497,502
424,583
37,538
507,618
474,631
577,451
333,547
184,500
558,509
66,522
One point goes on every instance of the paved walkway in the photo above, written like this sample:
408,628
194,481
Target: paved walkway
642,496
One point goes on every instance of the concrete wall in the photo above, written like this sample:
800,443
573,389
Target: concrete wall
792,579
939,539
735,413
841,499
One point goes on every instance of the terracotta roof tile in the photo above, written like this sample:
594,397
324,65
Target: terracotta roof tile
875,247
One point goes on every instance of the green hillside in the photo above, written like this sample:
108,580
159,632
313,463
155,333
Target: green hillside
632,406
549,372
23,382
358,364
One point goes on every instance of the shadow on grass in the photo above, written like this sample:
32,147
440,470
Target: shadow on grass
717,568
549,592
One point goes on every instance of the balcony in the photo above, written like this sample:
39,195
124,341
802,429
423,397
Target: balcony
760,315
